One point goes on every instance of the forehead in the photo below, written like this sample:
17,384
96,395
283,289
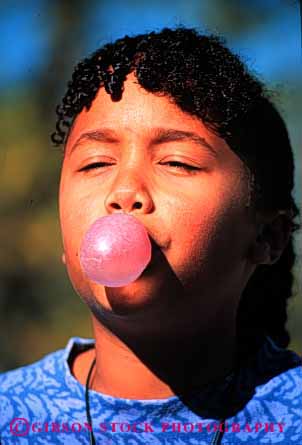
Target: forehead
138,113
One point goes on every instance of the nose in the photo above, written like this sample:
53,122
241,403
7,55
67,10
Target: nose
129,193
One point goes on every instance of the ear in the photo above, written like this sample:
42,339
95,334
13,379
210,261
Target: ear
272,238
63,258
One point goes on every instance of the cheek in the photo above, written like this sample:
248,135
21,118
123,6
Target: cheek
78,209
195,230
74,218
207,227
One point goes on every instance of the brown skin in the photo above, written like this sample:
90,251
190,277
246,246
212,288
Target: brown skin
176,323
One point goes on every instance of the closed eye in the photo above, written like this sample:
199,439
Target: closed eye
175,164
180,165
94,165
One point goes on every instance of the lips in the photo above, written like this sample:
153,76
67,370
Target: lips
155,252
154,245
155,242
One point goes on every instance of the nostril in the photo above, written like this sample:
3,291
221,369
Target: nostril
116,206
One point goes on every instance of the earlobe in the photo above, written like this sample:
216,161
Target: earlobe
63,258
271,241
260,252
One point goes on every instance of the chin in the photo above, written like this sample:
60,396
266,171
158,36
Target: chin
150,290
134,297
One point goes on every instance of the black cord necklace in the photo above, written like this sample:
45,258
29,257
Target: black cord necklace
89,420
216,439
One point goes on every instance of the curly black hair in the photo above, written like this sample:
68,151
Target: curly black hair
205,79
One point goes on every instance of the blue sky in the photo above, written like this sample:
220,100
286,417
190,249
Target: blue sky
273,48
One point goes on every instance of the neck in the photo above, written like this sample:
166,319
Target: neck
153,368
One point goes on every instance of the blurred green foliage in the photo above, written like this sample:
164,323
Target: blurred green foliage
39,310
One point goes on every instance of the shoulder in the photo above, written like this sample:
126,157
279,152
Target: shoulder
52,364
277,401
26,377
32,389
22,389
286,387
279,374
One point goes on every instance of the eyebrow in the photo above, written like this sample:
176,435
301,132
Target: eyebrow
104,135
162,136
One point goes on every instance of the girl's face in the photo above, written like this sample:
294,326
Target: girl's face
144,156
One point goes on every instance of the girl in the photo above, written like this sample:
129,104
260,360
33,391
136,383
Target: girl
170,128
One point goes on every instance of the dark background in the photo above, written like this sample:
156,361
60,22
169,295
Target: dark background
41,41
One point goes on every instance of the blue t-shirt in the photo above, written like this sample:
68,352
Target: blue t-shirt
43,403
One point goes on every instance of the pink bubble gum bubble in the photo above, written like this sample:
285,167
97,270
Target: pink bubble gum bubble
115,250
